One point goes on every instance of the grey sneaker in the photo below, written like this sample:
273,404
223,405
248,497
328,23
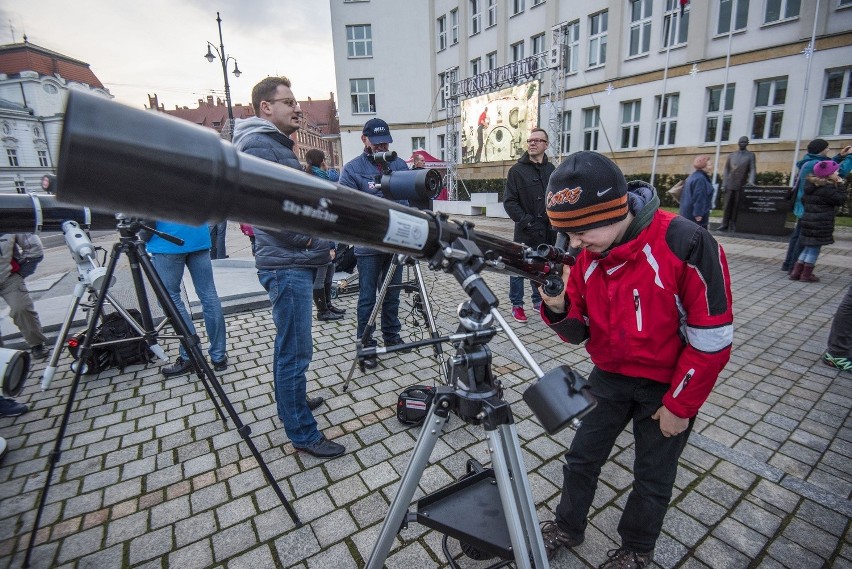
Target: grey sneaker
554,538
622,558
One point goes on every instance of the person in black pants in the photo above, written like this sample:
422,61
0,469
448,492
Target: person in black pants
838,353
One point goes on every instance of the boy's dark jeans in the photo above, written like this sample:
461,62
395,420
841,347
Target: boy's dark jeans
620,400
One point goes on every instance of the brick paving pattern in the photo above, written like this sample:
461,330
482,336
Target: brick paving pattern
150,476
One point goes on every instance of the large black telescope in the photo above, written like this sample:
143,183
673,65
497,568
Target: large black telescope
116,158
34,213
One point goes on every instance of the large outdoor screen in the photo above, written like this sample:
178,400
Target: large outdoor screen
496,126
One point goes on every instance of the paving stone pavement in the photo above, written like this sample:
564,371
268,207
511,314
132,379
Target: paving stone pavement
150,476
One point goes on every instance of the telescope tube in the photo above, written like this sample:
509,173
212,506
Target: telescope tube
32,213
118,158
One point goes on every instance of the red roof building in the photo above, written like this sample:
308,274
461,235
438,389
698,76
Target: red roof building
26,56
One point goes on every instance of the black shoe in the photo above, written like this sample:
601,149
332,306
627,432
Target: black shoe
221,365
315,402
323,448
335,309
397,342
329,315
554,538
722,228
371,363
180,367
39,351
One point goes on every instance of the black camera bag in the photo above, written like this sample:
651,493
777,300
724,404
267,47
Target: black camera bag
413,404
121,354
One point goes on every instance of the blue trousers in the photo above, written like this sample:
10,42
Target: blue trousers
290,292
622,399
372,270
516,291
794,249
170,269
217,239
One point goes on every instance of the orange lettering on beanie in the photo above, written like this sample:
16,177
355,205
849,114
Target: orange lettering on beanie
567,195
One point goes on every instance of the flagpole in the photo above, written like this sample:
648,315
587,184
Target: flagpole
809,53
722,103
663,99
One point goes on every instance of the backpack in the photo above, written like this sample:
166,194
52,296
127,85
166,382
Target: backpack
121,354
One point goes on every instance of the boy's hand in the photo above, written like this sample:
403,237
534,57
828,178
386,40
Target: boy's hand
557,303
670,424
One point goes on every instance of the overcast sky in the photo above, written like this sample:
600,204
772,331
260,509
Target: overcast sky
158,46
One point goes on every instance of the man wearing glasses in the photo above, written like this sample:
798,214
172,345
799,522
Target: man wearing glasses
286,263
524,201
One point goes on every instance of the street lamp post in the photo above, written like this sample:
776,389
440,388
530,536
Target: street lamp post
224,59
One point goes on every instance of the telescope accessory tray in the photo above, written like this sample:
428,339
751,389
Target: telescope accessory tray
470,511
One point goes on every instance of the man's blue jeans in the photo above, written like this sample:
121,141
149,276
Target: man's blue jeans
622,399
290,292
217,238
794,249
371,274
516,291
170,268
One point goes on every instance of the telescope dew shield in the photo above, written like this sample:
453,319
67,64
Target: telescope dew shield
14,368
31,213
419,187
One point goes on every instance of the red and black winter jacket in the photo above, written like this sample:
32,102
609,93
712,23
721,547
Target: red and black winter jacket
656,307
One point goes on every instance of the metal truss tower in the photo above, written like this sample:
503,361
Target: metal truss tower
556,97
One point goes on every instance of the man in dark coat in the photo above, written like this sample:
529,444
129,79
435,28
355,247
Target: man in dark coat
287,262
524,201
739,171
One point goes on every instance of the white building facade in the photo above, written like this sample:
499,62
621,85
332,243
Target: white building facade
618,62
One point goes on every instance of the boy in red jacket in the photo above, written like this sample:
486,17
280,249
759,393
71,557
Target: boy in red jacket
650,295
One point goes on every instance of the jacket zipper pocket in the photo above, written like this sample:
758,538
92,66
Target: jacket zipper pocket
638,306
683,382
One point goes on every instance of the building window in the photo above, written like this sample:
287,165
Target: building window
359,40
777,10
715,112
20,186
442,99
667,121
517,6
491,61
537,2
769,108
597,39
572,58
418,143
836,115
537,44
363,93
442,146
12,155
675,25
640,26
845,3
630,112
475,17
591,128
442,33
517,51
475,66
454,26
565,122
42,158
727,8
492,13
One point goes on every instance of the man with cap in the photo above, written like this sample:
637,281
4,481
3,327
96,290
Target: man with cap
287,263
360,173
650,296
526,183
740,170
816,153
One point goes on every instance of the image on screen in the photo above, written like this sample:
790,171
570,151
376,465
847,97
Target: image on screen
495,126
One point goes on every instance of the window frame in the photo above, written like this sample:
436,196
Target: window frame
772,110
538,39
572,57
665,131
783,8
441,28
356,97
672,13
352,42
726,115
640,27
491,59
598,34
475,17
842,103
492,13
418,143
518,7
516,47
630,127
43,159
454,26
12,157
736,11
591,132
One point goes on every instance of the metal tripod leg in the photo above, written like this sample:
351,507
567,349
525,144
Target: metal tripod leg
371,322
426,441
427,308
50,370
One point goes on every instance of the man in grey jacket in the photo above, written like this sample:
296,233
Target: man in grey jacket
286,263
15,248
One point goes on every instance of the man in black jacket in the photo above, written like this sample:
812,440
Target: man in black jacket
286,265
524,202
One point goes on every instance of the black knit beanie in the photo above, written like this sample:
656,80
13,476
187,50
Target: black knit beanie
587,190
816,146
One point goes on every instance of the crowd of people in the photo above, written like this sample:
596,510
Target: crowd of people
649,296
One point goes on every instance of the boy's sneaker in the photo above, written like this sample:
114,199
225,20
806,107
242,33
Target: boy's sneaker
554,538
221,365
39,351
11,408
622,558
519,314
843,364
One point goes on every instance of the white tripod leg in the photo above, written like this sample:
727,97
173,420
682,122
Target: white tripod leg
50,370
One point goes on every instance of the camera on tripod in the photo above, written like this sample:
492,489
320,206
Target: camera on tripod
418,187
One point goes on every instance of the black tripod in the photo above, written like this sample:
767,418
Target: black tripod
422,304
130,244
